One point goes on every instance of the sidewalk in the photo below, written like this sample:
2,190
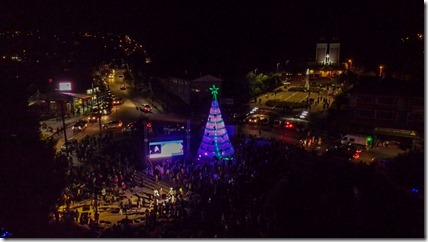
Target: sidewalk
109,211
54,123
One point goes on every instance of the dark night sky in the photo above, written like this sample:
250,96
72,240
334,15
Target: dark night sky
257,33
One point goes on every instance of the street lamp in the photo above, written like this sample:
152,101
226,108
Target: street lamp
350,64
64,127
95,91
255,71
277,67
286,64
380,70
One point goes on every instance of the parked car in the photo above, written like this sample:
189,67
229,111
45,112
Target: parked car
80,125
113,124
147,108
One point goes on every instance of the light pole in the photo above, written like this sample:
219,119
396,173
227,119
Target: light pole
99,114
380,70
255,71
277,67
64,128
286,64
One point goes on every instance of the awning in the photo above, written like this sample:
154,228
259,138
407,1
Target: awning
397,132
77,95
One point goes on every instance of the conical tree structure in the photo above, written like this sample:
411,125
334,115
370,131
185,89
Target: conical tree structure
215,141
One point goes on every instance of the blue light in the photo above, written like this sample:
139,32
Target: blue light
415,190
5,233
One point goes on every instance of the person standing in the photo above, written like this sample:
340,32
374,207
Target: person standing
97,217
139,203
129,204
121,208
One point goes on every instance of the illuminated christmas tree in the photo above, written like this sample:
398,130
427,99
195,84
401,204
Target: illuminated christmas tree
215,141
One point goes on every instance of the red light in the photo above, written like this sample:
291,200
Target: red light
357,154
149,125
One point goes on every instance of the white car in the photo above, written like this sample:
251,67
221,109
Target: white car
80,125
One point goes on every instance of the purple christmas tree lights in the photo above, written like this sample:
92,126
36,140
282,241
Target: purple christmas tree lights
215,141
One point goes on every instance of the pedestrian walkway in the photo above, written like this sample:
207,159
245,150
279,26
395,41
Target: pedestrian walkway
109,211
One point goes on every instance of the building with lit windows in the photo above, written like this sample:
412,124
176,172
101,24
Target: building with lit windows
192,91
327,61
392,109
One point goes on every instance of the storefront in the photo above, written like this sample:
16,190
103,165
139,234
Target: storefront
81,103
407,139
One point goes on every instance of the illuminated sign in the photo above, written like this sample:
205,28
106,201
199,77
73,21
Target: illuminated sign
165,148
65,86
396,132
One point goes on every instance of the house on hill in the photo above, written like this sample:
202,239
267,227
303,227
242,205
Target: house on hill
194,93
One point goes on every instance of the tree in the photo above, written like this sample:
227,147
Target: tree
257,82
30,178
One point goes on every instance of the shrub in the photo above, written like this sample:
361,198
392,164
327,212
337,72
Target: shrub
285,104
297,89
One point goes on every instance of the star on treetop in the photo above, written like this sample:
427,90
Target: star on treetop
214,91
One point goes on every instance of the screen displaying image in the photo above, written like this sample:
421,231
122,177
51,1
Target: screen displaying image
165,148
65,86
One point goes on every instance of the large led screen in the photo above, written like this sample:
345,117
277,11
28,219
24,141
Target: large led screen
165,148
65,86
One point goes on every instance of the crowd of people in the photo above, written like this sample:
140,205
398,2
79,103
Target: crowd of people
226,199
230,197
207,198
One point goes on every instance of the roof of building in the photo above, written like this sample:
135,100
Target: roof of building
77,95
207,78
55,96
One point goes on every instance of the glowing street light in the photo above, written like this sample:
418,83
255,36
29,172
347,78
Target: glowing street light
380,70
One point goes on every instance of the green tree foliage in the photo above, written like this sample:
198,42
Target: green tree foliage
259,83
30,179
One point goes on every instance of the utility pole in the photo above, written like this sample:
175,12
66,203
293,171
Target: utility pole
63,125
99,117
286,64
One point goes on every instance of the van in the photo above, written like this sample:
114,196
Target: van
355,139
